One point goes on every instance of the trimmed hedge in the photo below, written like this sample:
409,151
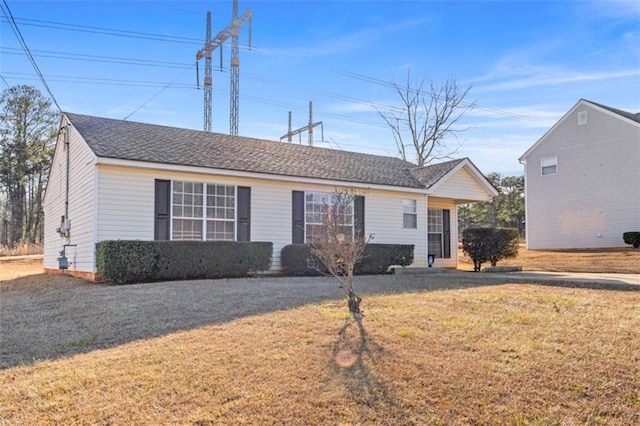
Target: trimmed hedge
632,238
297,259
489,245
128,261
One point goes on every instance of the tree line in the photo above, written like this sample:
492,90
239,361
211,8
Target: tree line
28,127
506,210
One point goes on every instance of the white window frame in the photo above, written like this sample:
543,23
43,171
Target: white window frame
549,166
409,208
187,212
435,232
201,212
313,219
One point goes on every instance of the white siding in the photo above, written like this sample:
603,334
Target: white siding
593,197
126,208
383,218
81,204
463,187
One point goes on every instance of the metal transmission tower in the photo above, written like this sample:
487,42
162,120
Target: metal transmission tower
308,128
210,45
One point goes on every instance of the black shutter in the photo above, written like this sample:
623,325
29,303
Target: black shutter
358,216
162,210
298,217
244,214
446,234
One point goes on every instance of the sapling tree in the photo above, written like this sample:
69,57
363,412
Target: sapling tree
337,245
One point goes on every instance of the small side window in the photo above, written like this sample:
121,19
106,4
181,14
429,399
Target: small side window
409,214
549,166
582,118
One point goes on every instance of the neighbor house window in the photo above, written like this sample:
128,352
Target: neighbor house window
409,214
549,166
435,232
316,205
203,211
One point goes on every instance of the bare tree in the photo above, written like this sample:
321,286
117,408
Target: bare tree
337,246
427,117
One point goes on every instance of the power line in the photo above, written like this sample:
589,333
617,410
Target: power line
104,81
96,58
156,94
389,84
5,81
109,31
106,31
14,26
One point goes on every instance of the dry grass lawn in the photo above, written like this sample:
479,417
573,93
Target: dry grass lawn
508,354
611,260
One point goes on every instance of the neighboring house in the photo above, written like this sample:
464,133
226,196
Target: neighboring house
114,179
582,180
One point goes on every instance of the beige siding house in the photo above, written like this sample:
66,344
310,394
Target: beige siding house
114,179
582,180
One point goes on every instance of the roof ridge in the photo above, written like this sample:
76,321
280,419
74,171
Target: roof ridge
238,137
153,143
630,115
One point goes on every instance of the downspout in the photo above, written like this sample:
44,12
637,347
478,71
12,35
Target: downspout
66,195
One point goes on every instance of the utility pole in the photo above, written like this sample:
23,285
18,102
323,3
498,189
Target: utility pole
309,127
232,30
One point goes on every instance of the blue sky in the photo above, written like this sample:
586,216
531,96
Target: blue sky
528,63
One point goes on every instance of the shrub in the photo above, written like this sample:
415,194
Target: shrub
297,259
377,258
632,238
489,245
126,261
475,244
504,244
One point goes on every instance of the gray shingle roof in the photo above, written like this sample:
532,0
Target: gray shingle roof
629,115
110,138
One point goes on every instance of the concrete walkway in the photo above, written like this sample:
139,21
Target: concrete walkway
580,277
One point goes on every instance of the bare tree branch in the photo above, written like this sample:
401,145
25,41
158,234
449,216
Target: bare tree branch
338,250
428,119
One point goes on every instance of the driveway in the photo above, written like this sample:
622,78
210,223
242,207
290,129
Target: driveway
53,320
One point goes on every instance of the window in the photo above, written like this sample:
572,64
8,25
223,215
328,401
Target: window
409,214
316,205
435,231
582,118
549,166
187,211
203,216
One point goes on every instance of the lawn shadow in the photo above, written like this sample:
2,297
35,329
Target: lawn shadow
355,356
48,317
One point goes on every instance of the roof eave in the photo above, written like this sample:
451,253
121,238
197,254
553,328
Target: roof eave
107,161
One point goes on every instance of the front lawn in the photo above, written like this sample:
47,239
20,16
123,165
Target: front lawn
503,354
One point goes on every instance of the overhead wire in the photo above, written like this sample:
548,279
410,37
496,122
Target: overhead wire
4,81
156,94
166,64
393,85
14,26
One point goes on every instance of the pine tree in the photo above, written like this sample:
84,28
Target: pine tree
27,131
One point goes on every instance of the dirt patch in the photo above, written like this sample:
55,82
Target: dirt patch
20,266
